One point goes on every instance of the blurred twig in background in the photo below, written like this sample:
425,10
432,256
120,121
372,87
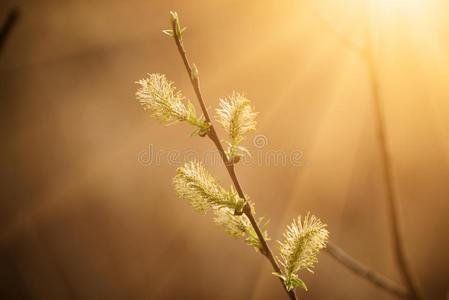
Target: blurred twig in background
367,55
363,271
388,175
8,25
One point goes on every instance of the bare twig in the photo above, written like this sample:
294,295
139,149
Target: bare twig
388,177
343,39
8,25
212,134
363,271
367,55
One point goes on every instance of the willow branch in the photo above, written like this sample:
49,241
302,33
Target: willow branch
8,25
358,268
387,173
343,39
367,55
212,134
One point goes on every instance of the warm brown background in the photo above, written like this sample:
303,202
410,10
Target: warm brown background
81,218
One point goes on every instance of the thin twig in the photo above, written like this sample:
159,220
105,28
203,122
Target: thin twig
387,171
343,39
366,273
212,134
367,55
8,25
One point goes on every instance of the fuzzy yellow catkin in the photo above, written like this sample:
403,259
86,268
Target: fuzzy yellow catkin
237,117
302,242
195,184
159,95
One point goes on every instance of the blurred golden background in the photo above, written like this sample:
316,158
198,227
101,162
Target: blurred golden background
82,217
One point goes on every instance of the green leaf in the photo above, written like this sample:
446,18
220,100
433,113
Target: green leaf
194,70
168,32
265,226
291,281
173,16
279,276
298,282
191,108
239,205
196,132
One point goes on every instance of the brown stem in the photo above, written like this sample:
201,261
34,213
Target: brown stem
8,25
390,193
366,273
212,134
367,55
388,173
